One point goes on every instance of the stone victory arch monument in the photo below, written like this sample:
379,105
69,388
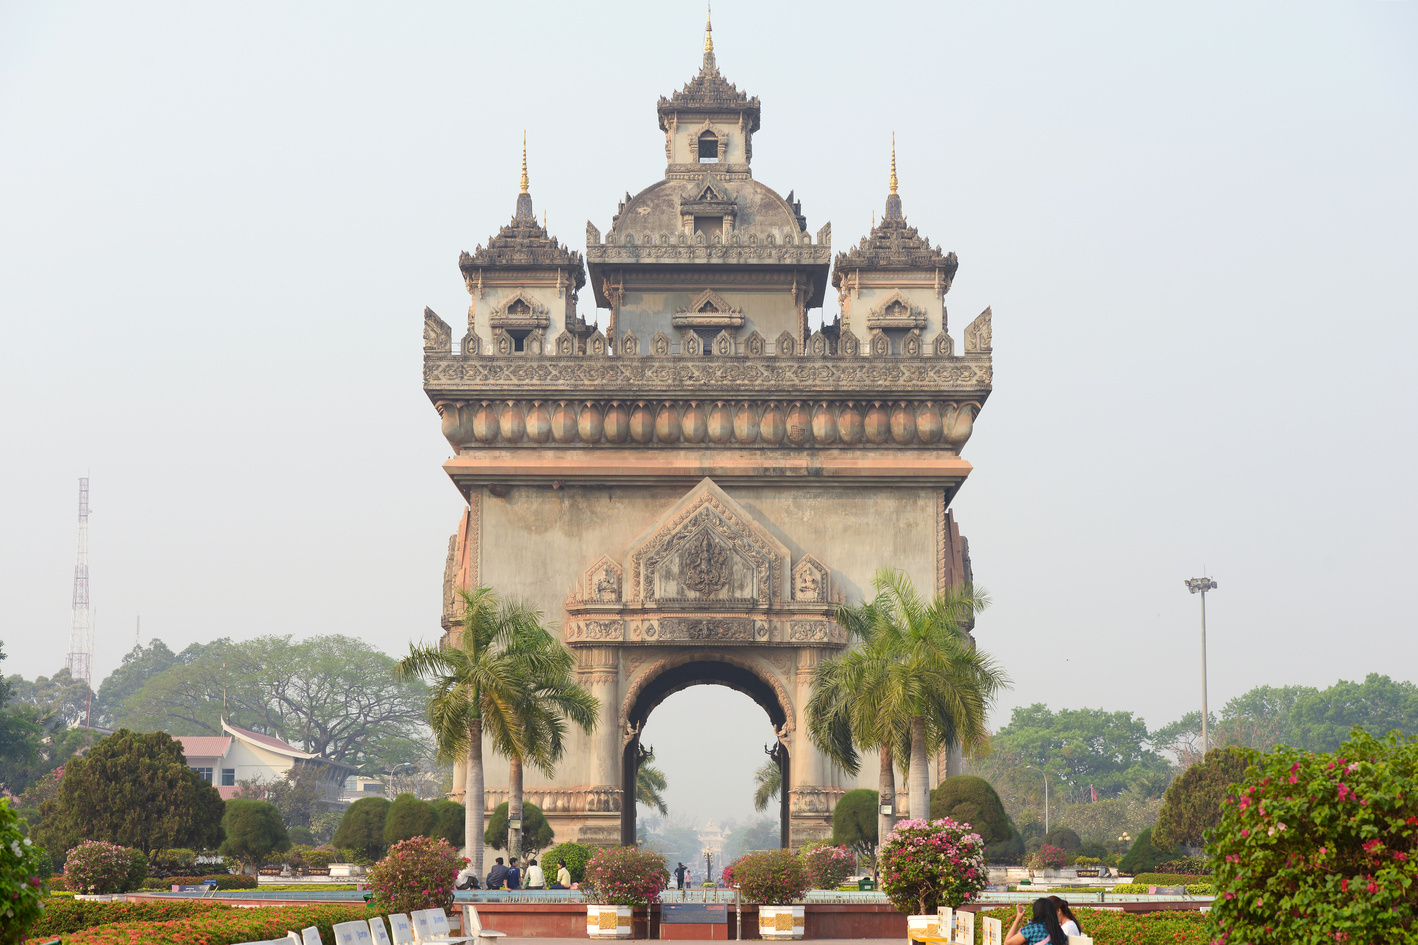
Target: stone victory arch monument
691,493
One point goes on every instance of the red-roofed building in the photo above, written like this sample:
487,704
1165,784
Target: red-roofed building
244,755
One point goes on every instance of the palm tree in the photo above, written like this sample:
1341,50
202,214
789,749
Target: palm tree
477,684
916,683
536,734
769,781
650,785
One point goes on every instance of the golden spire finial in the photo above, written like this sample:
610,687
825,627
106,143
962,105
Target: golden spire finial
524,161
709,28
893,162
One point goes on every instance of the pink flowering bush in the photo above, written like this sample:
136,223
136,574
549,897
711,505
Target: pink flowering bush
928,864
1320,842
625,876
827,865
1049,857
21,888
95,866
417,873
772,878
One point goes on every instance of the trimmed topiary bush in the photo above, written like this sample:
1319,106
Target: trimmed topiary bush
254,831
827,866
624,876
98,867
361,830
969,800
408,817
1065,839
1192,804
772,878
225,881
418,873
925,865
170,862
22,889
1007,852
576,855
536,832
1143,855
854,823
448,820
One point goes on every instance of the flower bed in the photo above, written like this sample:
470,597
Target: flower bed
927,864
224,926
66,914
418,873
1114,927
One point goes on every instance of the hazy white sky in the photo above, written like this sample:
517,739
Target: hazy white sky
1197,226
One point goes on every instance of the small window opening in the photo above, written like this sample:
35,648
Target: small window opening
710,227
228,777
708,148
519,335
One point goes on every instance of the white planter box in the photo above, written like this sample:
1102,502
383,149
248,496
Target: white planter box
608,921
923,925
781,922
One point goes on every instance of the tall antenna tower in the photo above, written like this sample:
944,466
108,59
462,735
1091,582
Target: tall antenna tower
81,634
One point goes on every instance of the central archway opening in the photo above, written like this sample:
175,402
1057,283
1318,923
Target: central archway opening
710,671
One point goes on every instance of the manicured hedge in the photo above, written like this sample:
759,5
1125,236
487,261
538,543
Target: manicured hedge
1165,879
1140,889
65,915
225,881
1115,927
224,926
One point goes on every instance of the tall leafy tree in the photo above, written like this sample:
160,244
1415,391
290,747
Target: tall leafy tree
134,790
253,832
650,784
1082,749
476,685
917,671
139,665
1192,806
20,733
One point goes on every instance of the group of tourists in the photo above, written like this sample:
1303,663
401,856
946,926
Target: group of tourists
1051,922
510,876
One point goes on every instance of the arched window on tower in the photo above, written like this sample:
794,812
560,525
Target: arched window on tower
708,148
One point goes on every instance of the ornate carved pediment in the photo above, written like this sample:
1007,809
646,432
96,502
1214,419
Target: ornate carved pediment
437,336
811,581
707,549
708,197
708,310
977,334
896,311
629,344
520,310
603,581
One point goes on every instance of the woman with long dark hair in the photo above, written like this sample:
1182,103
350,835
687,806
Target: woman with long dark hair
1067,920
1043,926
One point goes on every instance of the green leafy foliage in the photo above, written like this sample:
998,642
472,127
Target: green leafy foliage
1165,879
1192,805
970,800
408,817
536,832
301,836
22,888
928,864
625,876
95,866
418,873
448,820
68,915
743,838
1113,926
134,790
362,827
854,823
223,881
1144,855
1065,839
1049,857
1321,841
1082,749
170,862
1009,851
576,856
1186,866
253,832
223,926
770,878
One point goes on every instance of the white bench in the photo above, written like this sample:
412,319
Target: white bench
431,928
474,924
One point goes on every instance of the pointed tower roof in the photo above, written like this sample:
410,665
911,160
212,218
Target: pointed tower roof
524,243
894,244
708,93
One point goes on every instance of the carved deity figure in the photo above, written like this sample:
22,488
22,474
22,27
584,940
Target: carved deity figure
706,566
607,585
809,585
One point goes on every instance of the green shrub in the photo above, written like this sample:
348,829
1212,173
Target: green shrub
576,856
408,817
224,926
625,876
1143,855
1186,866
1192,805
966,799
168,862
854,823
536,832
1321,841
254,830
68,915
417,873
925,865
449,820
1009,851
301,836
1049,857
1094,849
1136,928
772,878
22,889
1065,839
361,830
1132,889
224,881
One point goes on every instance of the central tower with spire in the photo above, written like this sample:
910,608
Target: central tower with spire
690,483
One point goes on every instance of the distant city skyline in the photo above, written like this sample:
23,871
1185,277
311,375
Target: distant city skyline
1194,226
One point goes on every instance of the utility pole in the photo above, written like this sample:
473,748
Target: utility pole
1200,586
81,639
1046,796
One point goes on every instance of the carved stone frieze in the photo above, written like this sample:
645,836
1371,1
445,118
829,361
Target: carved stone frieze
814,799
600,799
708,310
977,334
437,335
896,311
811,581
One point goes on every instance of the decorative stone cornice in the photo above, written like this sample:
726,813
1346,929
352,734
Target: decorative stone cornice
709,92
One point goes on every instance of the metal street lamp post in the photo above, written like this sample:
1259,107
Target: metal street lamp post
1200,586
1046,796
